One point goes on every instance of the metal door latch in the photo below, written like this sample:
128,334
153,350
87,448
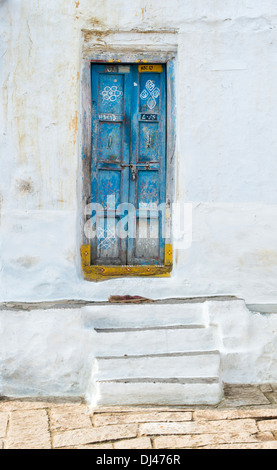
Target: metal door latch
133,172
133,169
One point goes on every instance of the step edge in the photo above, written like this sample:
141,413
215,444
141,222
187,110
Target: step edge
173,380
213,352
146,328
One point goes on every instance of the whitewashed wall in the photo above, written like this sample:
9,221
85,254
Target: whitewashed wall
226,155
53,353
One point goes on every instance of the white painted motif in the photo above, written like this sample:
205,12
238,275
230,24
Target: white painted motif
111,93
106,237
150,92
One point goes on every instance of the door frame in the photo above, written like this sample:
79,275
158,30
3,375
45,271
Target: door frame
168,59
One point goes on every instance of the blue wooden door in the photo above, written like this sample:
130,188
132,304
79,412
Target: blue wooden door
128,164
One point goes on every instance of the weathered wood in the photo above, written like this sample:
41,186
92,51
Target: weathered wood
97,273
115,55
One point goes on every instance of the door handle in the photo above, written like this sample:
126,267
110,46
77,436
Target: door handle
110,141
149,142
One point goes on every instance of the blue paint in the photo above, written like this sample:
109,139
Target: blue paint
148,187
109,183
110,141
128,159
111,93
149,140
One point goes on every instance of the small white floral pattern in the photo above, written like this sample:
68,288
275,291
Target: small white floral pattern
111,93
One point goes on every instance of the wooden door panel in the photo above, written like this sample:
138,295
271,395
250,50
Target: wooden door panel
128,163
147,191
110,181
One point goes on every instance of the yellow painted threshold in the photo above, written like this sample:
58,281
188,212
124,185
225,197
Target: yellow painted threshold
98,273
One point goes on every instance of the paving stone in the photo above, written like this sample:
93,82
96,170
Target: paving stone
28,417
106,445
234,414
92,435
261,445
18,405
71,408
200,427
13,405
273,396
246,419
265,436
3,424
28,430
119,418
241,395
201,440
265,388
268,425
64,420
138,443
139,409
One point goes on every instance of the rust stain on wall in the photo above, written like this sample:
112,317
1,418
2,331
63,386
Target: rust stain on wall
94,22
76,77
73,127
143,11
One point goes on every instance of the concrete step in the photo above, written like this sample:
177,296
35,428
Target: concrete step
182,365
159,393
154,354
142,315
141,341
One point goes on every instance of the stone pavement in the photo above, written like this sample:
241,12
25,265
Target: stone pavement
245,419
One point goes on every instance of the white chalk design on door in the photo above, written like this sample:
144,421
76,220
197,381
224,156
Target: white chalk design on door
150,92
111,93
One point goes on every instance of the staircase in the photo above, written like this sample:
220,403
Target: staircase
155,354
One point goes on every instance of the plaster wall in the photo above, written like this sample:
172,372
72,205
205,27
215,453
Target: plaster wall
225,155
52,352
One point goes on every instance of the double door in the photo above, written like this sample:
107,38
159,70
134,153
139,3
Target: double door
128,164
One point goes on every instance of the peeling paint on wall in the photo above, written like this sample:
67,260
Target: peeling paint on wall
226,106
25,187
